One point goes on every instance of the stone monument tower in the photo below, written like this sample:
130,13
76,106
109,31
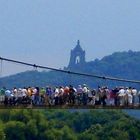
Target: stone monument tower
77,57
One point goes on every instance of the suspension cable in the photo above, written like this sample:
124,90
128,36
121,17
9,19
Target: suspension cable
70,72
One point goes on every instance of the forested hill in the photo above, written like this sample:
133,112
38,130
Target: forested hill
119,64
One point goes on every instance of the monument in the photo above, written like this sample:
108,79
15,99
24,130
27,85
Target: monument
77,57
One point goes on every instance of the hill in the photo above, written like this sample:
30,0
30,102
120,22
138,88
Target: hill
119,64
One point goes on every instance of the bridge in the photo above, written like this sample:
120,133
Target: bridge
15,101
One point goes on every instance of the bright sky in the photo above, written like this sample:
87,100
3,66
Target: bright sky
44,31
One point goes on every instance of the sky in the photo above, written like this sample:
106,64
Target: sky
44,31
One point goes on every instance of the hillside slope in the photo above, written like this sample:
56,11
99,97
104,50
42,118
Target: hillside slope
119,64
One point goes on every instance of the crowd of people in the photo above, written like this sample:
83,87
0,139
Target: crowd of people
69,95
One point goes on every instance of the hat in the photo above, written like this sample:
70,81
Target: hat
79,86
84,85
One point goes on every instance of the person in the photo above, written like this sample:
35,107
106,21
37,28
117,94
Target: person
112,97
107,97
85,94
91,97
2,95
61,93
25,99
8,95
37,96
134,94
19,96
49,93
32,94
121,95
56,93
66,95
130,96
71,95
116,97
42,95
79,94
102,95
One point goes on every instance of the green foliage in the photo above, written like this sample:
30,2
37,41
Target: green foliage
2,134
69,125
15,130
31,129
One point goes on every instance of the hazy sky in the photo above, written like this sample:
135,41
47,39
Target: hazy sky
44,31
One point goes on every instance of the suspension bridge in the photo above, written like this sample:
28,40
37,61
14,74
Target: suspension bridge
89,106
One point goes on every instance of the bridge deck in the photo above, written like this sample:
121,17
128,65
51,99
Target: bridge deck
67,107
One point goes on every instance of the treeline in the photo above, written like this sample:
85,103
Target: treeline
68,125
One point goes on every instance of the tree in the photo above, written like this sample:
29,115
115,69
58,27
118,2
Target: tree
15,130
31,130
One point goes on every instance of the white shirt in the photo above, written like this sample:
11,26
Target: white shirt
121,92
24,92
85,90
8,93
134,92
